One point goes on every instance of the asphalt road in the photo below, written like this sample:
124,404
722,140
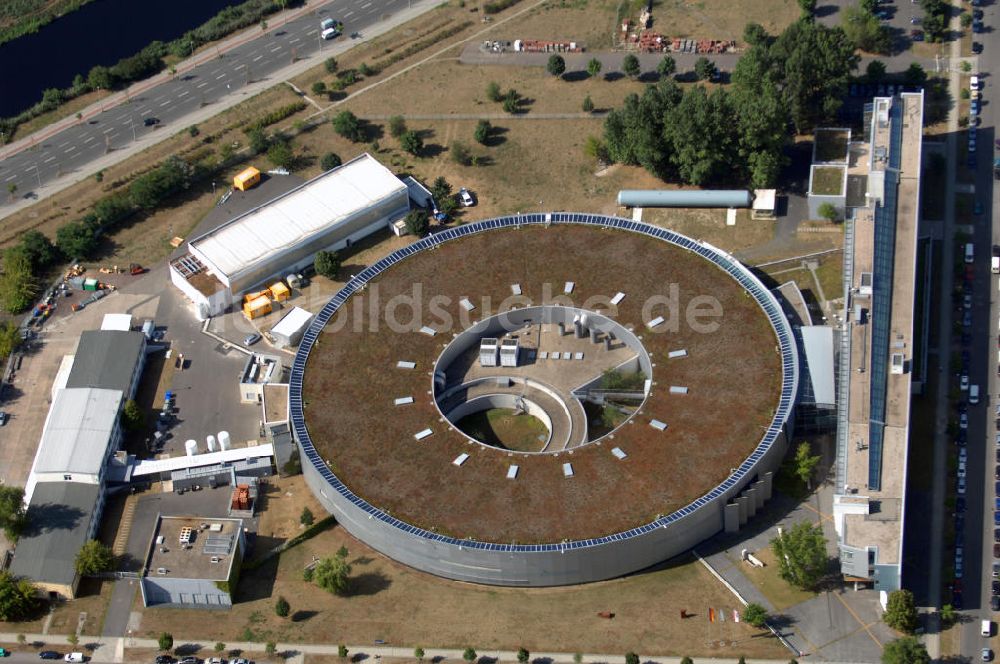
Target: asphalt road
983,360
171,101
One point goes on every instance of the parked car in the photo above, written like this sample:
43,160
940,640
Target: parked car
963,421
995,603
49,654
189,660
917,35
465,197
960,486
151,122
963,382
977,27
986,655
164,659
251,339
960,506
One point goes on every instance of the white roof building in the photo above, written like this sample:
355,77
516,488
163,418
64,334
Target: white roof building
80,433
289,330
120,322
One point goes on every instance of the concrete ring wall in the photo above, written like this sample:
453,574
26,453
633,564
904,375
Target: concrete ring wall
505,401
557,563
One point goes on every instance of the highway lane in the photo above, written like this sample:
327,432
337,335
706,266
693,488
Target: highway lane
171,101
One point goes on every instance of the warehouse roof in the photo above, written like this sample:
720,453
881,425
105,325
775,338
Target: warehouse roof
77,431
106,359
297,216
818,343
59,519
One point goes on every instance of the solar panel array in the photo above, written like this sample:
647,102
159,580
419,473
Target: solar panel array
764,298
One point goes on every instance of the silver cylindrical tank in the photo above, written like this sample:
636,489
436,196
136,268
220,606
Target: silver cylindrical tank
224,443
690,198
210,443
191,447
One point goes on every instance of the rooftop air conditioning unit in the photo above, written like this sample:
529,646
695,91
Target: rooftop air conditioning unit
162,571
215,559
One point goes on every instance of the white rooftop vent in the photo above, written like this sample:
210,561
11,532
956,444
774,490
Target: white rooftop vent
617,451
468,306
568,288
423,434
567,470
215,528
215,559
429,331
677,389
658,425
515,289
161,571
656,321
509,352
617,298
460,459
489,352
403,364
677,353
402,401
512,472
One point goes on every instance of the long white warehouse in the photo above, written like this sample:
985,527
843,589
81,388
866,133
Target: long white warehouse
283,235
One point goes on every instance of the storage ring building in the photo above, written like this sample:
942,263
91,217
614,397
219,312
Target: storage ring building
435,526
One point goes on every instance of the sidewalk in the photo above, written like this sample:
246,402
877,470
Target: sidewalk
112,650
202,114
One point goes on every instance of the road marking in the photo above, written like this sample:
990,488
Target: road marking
215,70
127,124
202,84
62,144
122,116
366,5
258,58
348,14
69,149
165,103
10,178
312,32
275,49
185,93
88,139
146,112
109,130
48,160
220,77
292,41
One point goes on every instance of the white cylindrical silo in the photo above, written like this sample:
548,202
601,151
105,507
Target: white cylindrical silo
224,440
210,443
191,447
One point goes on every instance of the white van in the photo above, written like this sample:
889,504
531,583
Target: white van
73,657
987,628
969,252
973,394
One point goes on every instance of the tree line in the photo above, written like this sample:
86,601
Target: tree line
793,81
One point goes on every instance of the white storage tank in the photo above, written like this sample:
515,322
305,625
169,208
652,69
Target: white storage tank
191,447
210,443
224,440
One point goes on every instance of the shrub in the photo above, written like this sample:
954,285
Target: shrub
319,88
282,608
556,65
347,125
416,222
397,126
411,142
497,6
493,91
277,115
165,641
327,264
331,65
482,133
306,518
342,651
330,161
460,153
588,104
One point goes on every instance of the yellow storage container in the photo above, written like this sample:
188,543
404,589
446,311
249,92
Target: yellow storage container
280,292
247,179
257,308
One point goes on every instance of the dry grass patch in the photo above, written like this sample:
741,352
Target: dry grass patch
406,608
779,592
827,180
710,226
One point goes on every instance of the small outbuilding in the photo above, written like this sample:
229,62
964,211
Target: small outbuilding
764,204
289,330
246,179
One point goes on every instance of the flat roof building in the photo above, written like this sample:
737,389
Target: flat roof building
62,516
876,350
283,235
289,330
110,359
193,562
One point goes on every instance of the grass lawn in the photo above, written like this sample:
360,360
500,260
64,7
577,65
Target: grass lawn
827,180
777,591
405,608
503,428
710,226
831,145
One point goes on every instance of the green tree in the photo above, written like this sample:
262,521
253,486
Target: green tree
870,6
219,646
397,126
73,639
588,105
482,132
333,574
263,25
11,190
13,517
511,102
704,69
801,554
94,558
593,67
700,119
686,660
411,142
342,651
901,611
754,34
77,239
875,71
416,222
556,65
631,658
17,283
38,248
523,655
270,648
280,154
165,641
319,88
866,31
915,75
327,264
440,189
666,67
10,339
948,615
281,607
100,78
470,655
755,615
966,19
966,66
907,650
805,461
631,66
347,125
133,418
828,211
330,161
306,518
493,91
331,65
577,658
366,70
460,154
418,652
808,8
